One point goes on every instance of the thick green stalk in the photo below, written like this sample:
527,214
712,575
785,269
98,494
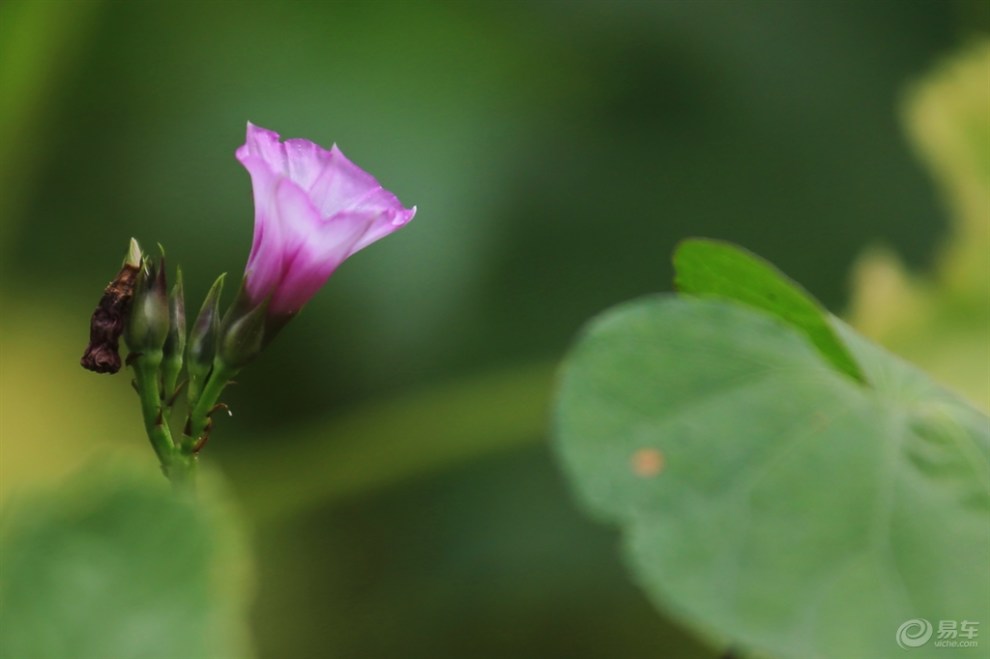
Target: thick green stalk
146,368
180,469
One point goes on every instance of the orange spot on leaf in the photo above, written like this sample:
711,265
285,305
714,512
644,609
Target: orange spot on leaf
647,462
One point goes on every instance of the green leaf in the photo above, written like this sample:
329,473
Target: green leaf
116,566
767,500
710,268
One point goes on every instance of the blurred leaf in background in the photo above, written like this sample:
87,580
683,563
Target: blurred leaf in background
113,564
941,320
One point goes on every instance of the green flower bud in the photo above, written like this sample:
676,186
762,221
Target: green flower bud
202,345
148,325
242,337
175,343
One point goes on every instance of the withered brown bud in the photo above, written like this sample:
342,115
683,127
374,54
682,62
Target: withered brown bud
102,357
103,352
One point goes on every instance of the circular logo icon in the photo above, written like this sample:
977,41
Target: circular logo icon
914,633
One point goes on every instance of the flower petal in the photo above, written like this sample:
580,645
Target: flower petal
306,161
388,222
264,267
300,160
316,259
342,186
264,144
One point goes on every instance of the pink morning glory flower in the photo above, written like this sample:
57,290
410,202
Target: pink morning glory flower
313,208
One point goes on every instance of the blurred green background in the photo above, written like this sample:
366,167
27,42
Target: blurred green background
389,450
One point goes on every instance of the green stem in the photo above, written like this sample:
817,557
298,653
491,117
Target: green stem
195,386
199,414
146,375
181,471
178,467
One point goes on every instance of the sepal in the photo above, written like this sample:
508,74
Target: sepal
242,337
202,344
175,343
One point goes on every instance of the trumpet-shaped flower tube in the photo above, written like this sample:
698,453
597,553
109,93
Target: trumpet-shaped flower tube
313,209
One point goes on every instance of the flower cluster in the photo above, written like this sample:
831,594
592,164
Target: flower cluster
313,209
